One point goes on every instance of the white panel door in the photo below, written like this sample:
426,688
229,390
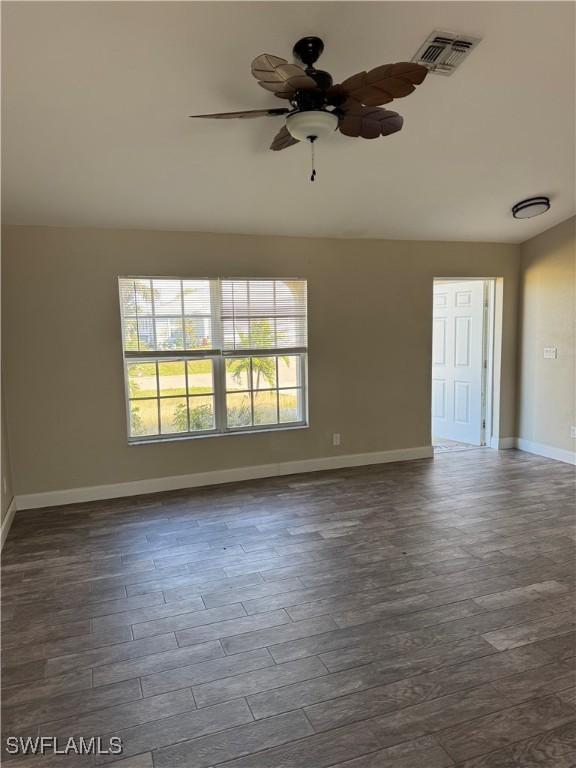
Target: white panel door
457,361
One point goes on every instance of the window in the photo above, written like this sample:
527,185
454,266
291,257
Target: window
208,357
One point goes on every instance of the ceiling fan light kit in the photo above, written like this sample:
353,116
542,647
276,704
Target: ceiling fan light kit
311,124
318,107
532,206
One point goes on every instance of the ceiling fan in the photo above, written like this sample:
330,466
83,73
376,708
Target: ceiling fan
318,107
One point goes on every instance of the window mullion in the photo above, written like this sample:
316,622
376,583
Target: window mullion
303,385
219,385
153,307
277,392
251,385
137,318
158,397
249,309
275,320
216,314
182,323
218,367
187,398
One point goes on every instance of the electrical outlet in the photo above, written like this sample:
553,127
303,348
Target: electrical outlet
336,438
573,433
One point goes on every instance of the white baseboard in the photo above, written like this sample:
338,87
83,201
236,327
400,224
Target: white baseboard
559,454
7,522
138,487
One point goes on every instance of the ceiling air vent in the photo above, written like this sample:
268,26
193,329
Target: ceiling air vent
444,51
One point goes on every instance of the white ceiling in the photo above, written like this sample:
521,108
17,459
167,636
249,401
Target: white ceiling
96,98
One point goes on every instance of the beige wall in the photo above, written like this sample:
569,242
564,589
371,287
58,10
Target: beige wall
6,493
547,388
370,317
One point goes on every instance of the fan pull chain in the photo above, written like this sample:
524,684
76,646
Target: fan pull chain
312,139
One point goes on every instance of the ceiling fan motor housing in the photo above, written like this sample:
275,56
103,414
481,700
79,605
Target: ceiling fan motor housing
308,50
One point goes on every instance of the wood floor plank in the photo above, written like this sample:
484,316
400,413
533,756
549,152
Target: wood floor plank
110,654
432,716
536,683
530,631
16,695
40,711
504,727
137,761
16,632
109,719
568,695
426,590
425,751
235,742
560,647
156,662
16,674
216,630
184,586
242,594
440,655
327,712
179,620
42,649
207,671
247,683
171,730
320,750
379,631
271,636
153,613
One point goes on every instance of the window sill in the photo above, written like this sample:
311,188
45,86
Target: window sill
183,438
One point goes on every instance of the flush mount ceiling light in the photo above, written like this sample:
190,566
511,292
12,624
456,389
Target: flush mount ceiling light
532,206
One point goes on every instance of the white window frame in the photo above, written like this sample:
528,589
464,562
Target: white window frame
218,358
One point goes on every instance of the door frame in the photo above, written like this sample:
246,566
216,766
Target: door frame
489,393
488,361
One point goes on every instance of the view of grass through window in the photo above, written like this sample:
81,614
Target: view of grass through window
263,390
170,396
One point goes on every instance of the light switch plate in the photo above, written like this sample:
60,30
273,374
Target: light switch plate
551,353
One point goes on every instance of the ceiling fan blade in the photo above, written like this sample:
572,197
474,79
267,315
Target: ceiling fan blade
283,139
369,122
280,77
385,83
246,113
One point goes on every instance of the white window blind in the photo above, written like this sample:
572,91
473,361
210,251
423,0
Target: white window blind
210,356
264,315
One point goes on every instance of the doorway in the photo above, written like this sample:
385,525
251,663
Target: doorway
462,342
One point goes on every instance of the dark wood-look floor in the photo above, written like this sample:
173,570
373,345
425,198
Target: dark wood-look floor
414,615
